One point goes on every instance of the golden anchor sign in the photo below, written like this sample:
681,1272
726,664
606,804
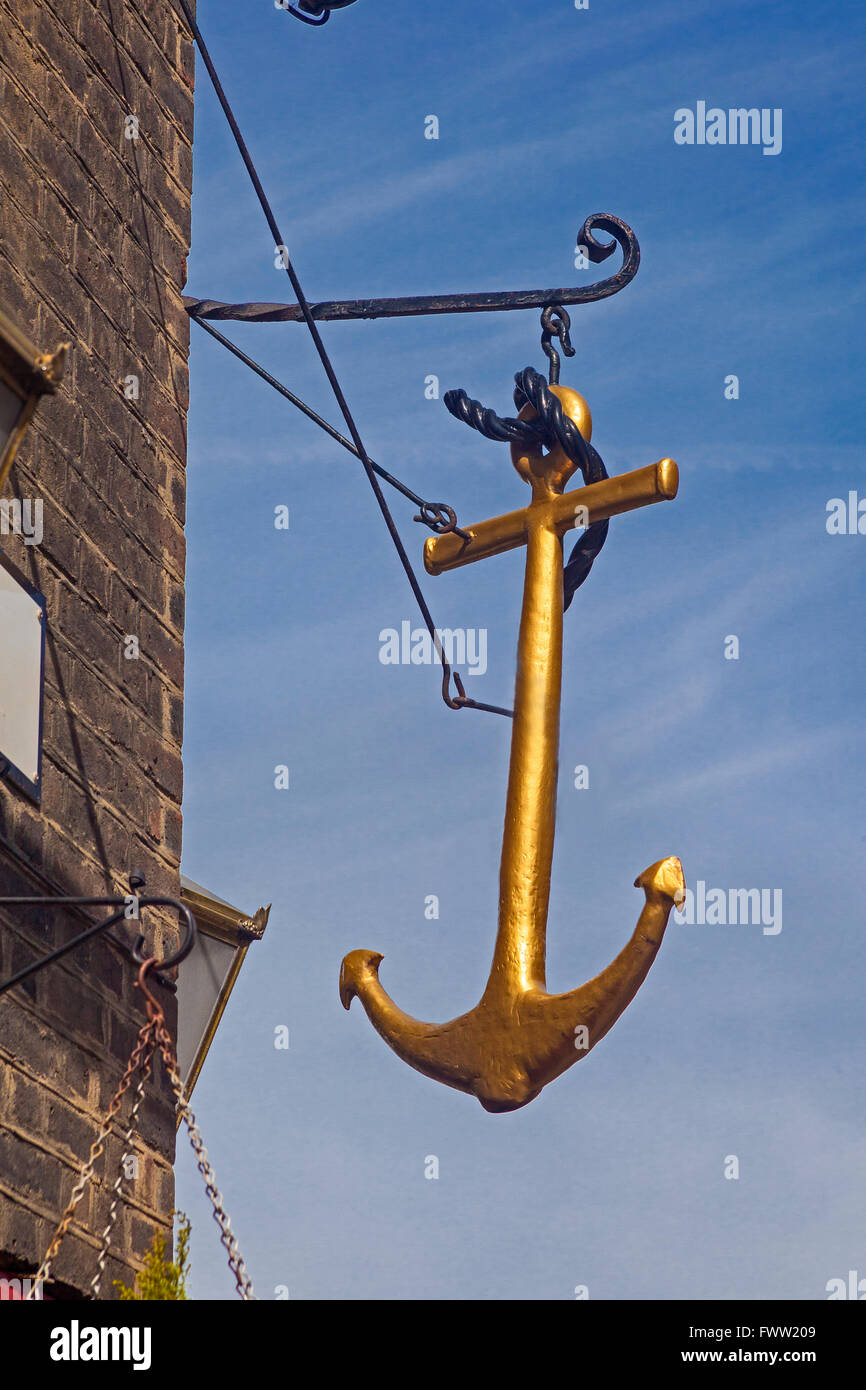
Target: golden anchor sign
519,1037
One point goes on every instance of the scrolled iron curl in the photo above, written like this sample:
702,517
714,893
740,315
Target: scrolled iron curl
623,236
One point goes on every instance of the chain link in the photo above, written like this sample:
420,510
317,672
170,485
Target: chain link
153,1033
117,1190
549,427
144,1043
236,1262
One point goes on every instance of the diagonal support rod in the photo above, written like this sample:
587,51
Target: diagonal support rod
460,701
316,418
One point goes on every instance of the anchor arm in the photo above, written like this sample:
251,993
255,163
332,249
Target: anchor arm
359,977
506,1049
438,1050
664,885
596,1005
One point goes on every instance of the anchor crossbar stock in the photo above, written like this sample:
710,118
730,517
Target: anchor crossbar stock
656,483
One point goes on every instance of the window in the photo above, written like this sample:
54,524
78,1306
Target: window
22,652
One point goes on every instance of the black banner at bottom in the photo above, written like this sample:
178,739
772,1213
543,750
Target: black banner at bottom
198,1338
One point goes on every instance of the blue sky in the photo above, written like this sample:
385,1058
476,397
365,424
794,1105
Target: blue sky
740,1042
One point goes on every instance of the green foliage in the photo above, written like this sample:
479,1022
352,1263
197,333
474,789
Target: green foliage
162,1278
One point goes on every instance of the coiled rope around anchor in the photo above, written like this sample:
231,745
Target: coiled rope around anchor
549,428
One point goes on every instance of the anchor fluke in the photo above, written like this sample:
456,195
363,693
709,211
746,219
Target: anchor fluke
664,878
358,968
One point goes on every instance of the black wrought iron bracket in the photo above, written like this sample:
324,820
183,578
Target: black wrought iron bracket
128,908
416,305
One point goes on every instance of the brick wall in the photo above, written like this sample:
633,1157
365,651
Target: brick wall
94,232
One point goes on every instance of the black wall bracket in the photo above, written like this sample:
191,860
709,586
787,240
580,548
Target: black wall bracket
127,908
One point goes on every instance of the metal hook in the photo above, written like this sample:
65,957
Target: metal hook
154,1008
558,329
186,945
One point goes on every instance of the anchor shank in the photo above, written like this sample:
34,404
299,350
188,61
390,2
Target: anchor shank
530,807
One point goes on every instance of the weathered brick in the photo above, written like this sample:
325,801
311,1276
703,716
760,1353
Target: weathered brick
47,465
146,575
175,717
107,340
67,11
27,1103
100,44
63,92
17,956
18,234
90,483
134,679
107,224
106,168
93,241
64,861
108,415
69,1130
108,105
61,170
18,168
162,764
88,757
24,62
96,575
16,290
173,830
177,605
25,1235
62,543
116,837
29,1169
25,1035
29,832
163,648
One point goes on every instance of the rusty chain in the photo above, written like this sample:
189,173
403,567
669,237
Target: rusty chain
117,1190
153,1033
166,1047
143,1044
